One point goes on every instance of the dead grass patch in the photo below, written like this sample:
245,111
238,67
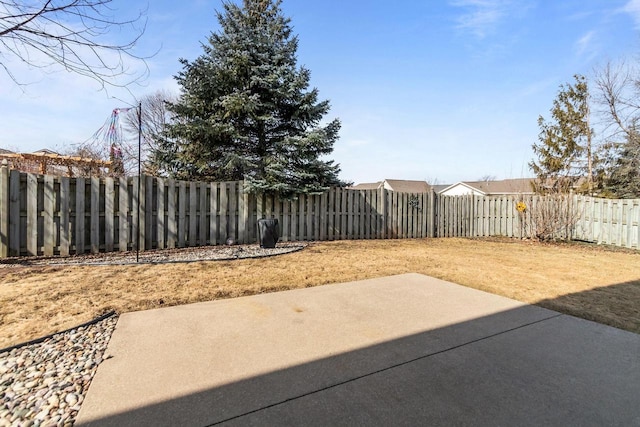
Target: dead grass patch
580,280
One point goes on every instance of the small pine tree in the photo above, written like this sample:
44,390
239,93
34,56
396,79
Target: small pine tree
564,141
245,111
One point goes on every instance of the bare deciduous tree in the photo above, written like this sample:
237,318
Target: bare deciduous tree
155,118
619,100
618,87
72,34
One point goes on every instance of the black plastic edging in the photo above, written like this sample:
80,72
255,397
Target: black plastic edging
41,339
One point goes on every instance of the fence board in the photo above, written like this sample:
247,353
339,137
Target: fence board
224,209
32,214
142,214
232,210
360,214
64,223
161,224
80,216
193,216
148,212
309,217
620,224
172,224
94,218
243,214
48,226
301,222
14,213
213,213
323,216
404,214
182,213
5,191
394,214
202,215
124,224
286,221
5,209
109,203
135,206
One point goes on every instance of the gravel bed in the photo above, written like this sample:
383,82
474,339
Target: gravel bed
44,384
203,253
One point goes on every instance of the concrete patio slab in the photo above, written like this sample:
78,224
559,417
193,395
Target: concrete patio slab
398,350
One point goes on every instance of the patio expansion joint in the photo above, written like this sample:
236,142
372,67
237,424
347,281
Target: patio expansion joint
388,368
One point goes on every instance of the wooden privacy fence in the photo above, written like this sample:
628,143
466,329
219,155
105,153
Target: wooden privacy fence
603,221
608,221
50,215
47,215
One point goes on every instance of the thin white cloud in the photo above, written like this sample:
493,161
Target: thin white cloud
632,7
481,17
585,43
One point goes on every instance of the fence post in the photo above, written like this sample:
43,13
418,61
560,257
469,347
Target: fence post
4,209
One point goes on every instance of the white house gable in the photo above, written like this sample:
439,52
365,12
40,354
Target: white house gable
461,189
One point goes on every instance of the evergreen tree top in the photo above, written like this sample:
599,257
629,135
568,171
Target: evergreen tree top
246,110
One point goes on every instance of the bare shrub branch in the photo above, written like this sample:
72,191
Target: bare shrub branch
72,34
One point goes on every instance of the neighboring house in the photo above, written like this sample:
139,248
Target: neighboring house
439,187
367,186
49,162
397,185
490,188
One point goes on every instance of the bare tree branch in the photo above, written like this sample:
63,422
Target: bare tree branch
73,34
617,93
155,118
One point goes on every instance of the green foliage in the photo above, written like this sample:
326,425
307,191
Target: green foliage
564,141
624,178
245,111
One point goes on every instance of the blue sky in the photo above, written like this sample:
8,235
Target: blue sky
439,90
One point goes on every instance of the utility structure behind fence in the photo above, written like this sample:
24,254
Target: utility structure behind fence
50,215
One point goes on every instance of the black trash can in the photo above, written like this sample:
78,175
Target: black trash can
268,232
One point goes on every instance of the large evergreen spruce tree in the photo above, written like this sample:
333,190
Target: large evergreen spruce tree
246,111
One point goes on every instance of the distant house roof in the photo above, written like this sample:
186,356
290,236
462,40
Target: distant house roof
505,186
46,151
439,187
405,186
397,185
367,186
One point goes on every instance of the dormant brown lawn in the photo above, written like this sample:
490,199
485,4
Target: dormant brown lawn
582,280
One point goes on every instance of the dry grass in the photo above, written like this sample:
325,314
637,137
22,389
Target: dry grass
581,280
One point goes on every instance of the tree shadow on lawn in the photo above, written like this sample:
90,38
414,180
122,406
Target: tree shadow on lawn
614,305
